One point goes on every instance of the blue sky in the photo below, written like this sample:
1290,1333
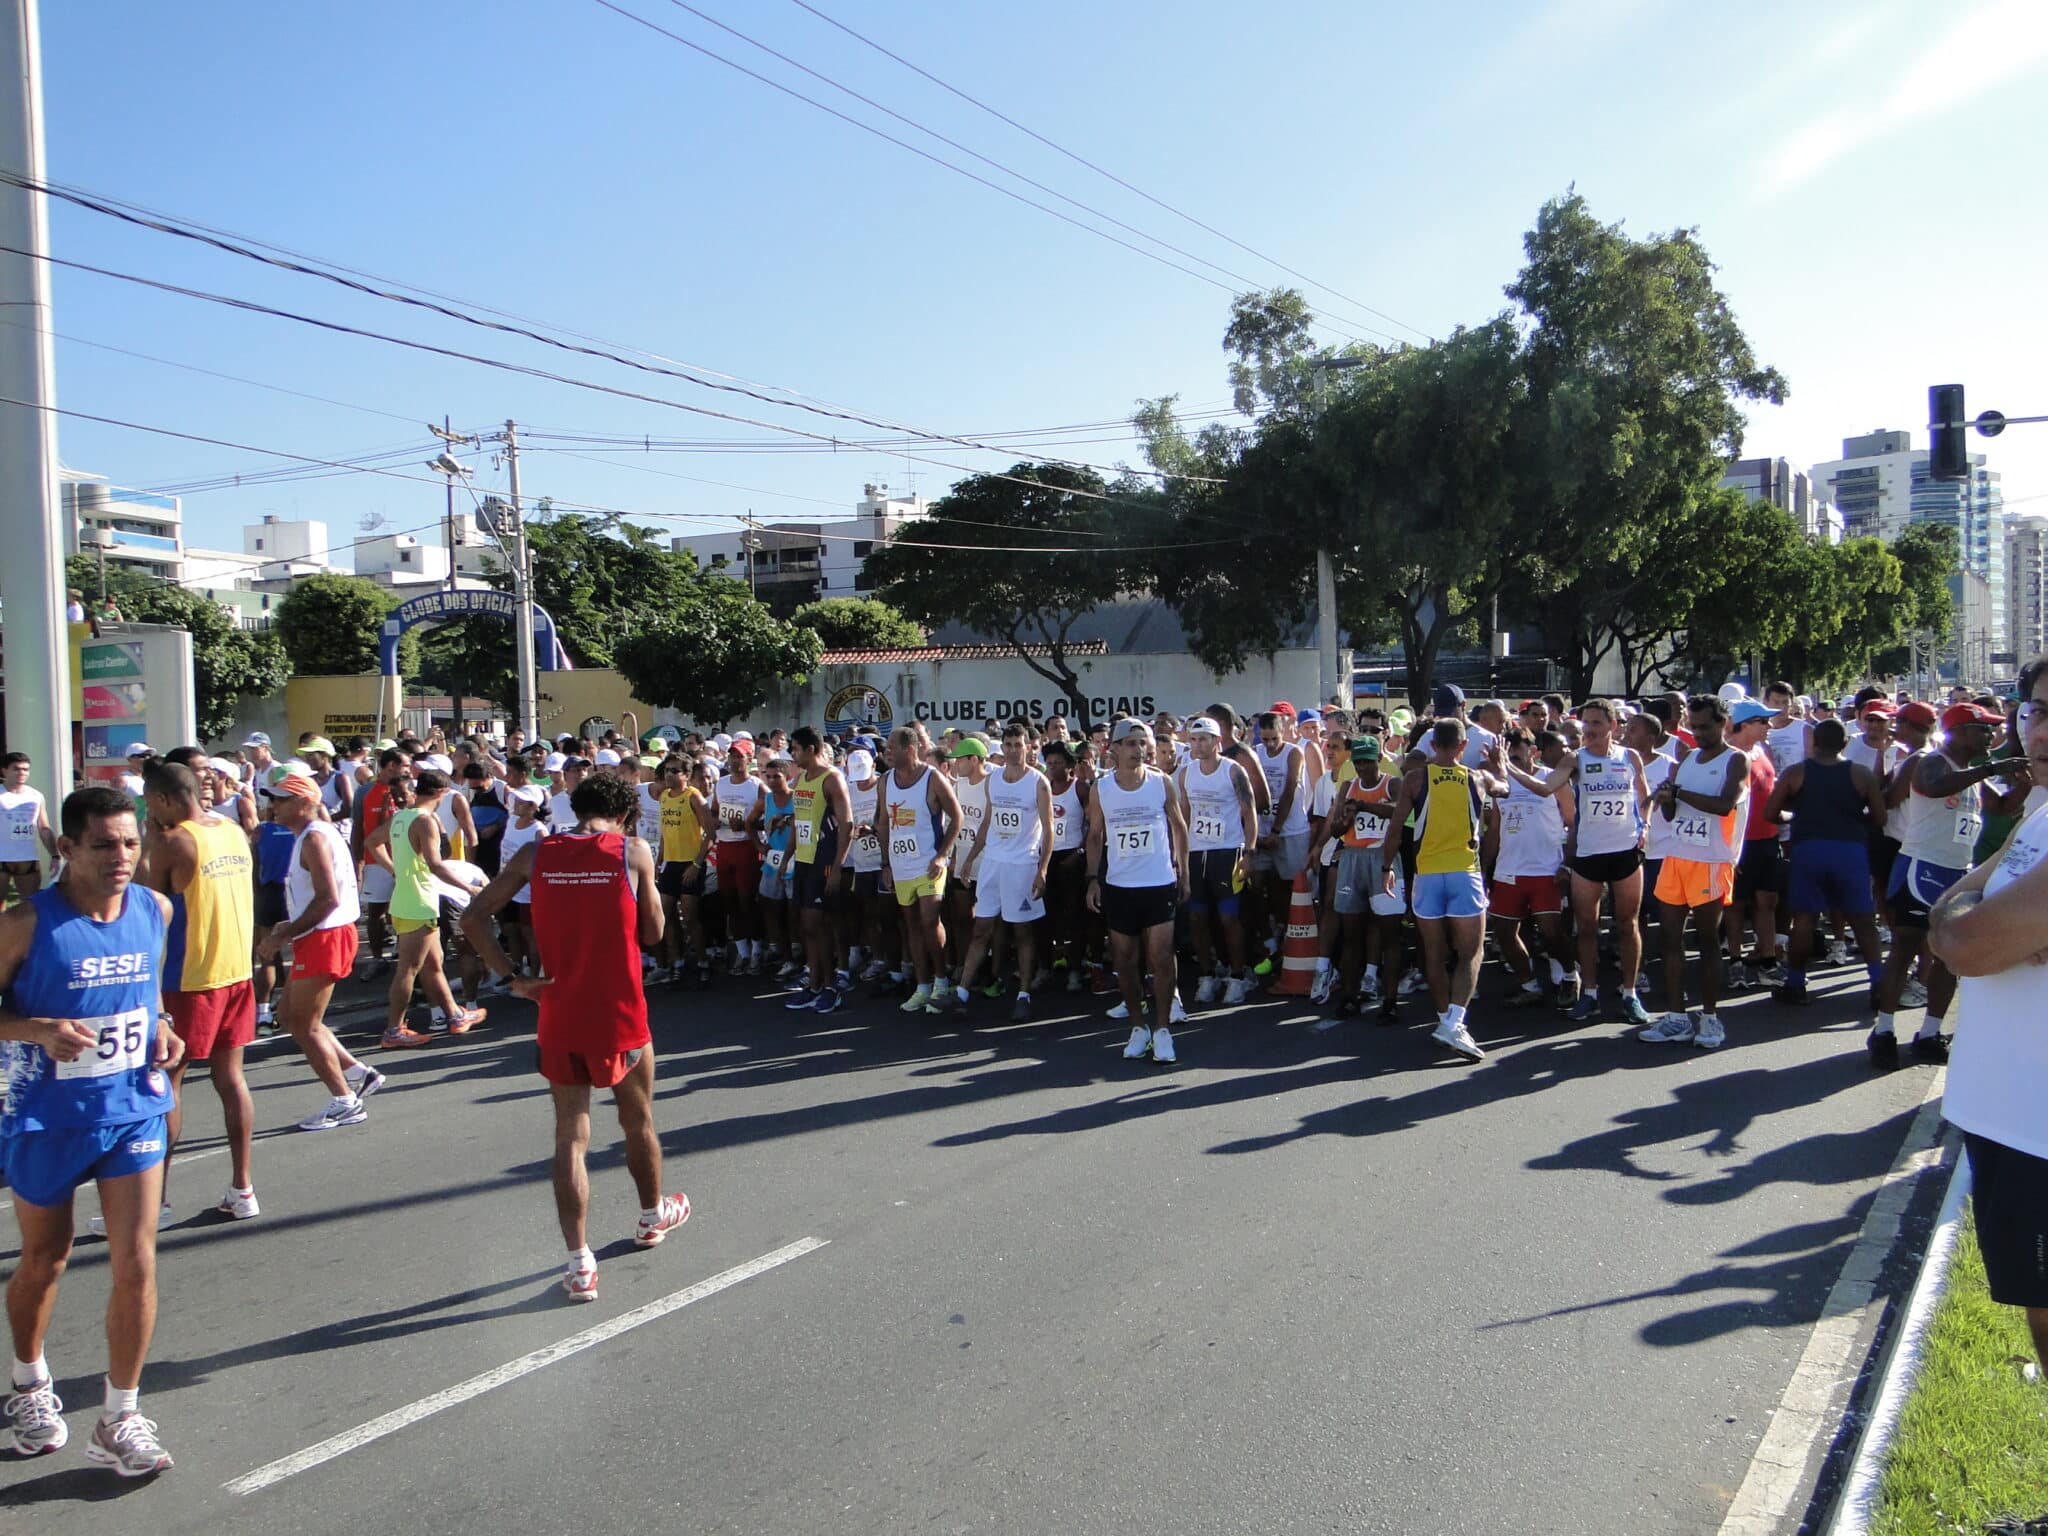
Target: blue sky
1859,171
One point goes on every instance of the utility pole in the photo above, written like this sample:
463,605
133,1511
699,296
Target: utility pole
1327,687
522,595
32,575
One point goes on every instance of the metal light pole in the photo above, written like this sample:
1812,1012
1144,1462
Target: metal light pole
32,575
1326,567
522,596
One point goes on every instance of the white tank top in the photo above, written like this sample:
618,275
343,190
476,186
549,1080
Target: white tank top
2000,1057
1697,836
864,855
1786,744
19,809
298,885
1014,833
1658,843
517,837
1861,751
973,812
735,802
1137,851
1608,822
1531,835
912,838
1069,825
330,792
1939,831
1274,767
1214,821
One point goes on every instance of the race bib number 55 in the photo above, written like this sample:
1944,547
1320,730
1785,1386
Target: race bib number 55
122,1046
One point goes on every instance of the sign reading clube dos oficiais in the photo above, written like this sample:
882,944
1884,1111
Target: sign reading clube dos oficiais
972,711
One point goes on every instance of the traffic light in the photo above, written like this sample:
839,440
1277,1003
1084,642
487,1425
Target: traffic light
1948,455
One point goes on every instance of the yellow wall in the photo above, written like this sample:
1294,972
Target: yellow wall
347,706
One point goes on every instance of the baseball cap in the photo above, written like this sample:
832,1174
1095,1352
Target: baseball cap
1731,693
1445,698
1880,707
1367,747
318,744
527,794
142,749
971,746
1126,729
1747,710
648,760
1916,713
860,764
1969,714
1202,725
385,744
1280,708
721,741
291,785
607,758
256,739
743,748
1308,715
225,768
553,762
742,735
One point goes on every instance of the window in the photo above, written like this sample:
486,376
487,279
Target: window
259,543
405,557
863,548
717,560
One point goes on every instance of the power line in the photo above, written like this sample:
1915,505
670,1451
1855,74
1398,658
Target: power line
1082,160
303,268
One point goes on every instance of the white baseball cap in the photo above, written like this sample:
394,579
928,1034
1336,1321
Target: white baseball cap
528,794
552,763
742,735
721,741
1732,693
607,758
860,765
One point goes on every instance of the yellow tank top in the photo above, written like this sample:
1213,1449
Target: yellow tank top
1448,842
213,919
415,893
682,834
811,806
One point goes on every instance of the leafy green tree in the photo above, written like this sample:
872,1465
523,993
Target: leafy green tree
602,585
713,657
858,624
329,626
965,563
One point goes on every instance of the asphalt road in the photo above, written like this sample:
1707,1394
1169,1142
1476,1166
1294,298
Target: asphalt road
1301,1281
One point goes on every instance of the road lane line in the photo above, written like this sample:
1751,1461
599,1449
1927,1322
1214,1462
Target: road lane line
399,1418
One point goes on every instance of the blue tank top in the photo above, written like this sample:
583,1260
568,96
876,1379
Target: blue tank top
105,975
1828,808
274,845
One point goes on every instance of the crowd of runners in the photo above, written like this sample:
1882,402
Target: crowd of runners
1365,858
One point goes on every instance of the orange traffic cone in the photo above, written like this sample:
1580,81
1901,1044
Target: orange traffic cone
1298,949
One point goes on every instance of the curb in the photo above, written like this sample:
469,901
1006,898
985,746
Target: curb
1858,1498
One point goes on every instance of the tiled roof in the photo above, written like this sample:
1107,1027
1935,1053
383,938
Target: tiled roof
955,653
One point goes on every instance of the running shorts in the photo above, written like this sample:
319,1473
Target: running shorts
1916,886
1132,910
1287,857
377,885
1761,870
269,907
1004,890
1690,883
20,867
1531,895
867,884
908,891
413,924
219,1016
2009,1189
1213,882
1459,893
809,886
1884,853
578,1069
680,877
325,954
1829,875
1361,877
739,866
44,1168
1608,868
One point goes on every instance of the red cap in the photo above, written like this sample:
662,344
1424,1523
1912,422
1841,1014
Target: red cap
1879,707
1969,714
1917,713
743,747
1282,708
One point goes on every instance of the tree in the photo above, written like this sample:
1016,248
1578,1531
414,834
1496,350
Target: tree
713,656
600,587
329,626
858,624
966,563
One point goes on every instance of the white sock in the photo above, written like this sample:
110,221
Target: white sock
1372,973
652,1215
1456,1017
582,1258
1929,1027
28,1372
119,1401
1556,973
1322,964
961,993
1023,996
1883,1026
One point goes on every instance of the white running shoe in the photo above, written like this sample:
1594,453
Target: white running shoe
1162,1044
240,1206
1710,1036
1120,1012
1207,988
342,1111
580,1284
1140,1043
1178,1014
1319,989
1838,952
362,1081
37,1418
1912,995
129,1445
1459,1039
916,1001
1238,990
1413,983
1672,1029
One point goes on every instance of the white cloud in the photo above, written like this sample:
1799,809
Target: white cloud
1986,48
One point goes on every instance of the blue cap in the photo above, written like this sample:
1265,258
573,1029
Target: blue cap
1748,710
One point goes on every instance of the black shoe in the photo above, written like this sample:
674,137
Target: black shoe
1884,1051
1020,1010
1796,997
1931,1049
801,998
1389,1010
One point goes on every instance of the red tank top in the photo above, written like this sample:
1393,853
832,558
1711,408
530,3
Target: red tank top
586,923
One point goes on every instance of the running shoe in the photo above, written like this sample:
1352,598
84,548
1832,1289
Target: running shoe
1237,990
875,970
1791,996
1672,1029
704,975
673,1211
1140,1044
1207,988
1745,975
1264,967
347,1110
1162,1044
956,1003
362,1081
1587,1010
36,1417
787,970
129,1445
239,1204
1076,981
1319,989
993,990
1413,983
403,1038
1459,1039
842,982
1120,1012
1568,991
916,1001
1930,1050
828,1000
1838,952
467,1020
1632,1009
739,965
1178,1013
1528,995
1369,993
1883,1047
580,1284
1709,1035
801,999
1771,973
1912,995
1020,1010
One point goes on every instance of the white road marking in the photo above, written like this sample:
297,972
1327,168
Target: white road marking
399,1418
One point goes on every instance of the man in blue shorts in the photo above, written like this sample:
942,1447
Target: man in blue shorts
84,1058
1837,808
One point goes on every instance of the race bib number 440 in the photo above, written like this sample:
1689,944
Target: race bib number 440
122,1046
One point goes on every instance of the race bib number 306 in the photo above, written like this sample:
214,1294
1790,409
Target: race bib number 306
122,1046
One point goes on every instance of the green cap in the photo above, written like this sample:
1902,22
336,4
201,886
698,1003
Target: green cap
385,744
318,744
971,746
1363,746
650,762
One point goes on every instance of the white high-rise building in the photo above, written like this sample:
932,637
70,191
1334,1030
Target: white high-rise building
823,558
285,547
1882,487
148,531
2026,586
